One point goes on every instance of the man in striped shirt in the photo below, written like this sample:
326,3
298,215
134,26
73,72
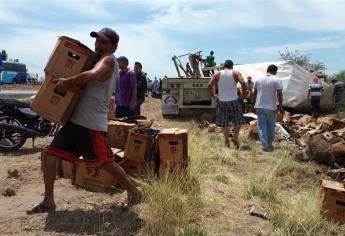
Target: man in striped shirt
314,96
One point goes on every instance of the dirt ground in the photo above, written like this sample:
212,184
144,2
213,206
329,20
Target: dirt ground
78,210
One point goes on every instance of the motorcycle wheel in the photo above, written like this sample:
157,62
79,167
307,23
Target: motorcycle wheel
10,140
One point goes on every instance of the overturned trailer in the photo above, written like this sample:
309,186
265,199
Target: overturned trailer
191,93
295,84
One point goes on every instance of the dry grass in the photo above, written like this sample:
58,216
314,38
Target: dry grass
221,183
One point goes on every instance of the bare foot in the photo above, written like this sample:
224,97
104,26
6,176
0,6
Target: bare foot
132,199
40,208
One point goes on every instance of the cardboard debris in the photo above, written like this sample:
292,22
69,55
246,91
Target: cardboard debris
212,128
322,139
338,149
253,132
331,138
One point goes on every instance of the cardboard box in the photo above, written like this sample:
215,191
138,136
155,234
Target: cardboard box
69,58
53,105
118,154
68,169
172,167
139,169
333,200
93,178
111,108
173,144
117,133
139,146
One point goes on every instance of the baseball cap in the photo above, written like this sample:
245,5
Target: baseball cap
249,78
106,34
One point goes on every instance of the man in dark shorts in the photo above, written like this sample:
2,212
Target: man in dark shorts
228,107
84,135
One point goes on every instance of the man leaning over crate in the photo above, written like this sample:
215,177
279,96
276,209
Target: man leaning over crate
84,134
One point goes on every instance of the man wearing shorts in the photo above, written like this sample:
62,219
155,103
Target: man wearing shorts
228,107
84,135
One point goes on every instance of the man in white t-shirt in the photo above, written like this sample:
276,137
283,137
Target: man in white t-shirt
266,92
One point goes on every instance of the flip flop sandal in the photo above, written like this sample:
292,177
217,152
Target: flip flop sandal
39,208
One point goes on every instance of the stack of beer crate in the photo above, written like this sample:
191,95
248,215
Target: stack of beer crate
173,151
140,152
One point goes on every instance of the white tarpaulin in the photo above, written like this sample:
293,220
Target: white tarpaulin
295,83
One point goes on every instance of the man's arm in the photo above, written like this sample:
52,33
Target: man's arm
238,78
101,72
280,99
133,84
212,83
255,93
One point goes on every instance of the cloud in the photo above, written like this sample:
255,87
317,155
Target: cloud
137,42
190,15
315,44
164,27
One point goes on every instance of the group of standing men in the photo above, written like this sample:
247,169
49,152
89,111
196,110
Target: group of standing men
131,86
267,91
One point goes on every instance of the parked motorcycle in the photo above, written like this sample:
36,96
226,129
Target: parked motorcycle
18,123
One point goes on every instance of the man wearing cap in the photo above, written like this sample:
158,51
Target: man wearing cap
126,91
229,107
84,135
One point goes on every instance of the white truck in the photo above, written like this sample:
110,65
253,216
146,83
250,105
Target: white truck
189,89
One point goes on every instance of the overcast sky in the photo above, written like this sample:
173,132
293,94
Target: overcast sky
246,31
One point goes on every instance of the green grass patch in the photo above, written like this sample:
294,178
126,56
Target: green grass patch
192,231
262,191
222,178
171,203
298,214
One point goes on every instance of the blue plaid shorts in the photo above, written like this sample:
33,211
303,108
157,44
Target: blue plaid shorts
229,112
